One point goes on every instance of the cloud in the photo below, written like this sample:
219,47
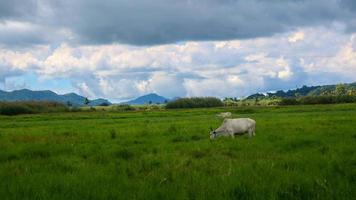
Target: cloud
342,62
21,34
14,63
296,37
349,4
17,8
213,68
147,22
15,83
169,85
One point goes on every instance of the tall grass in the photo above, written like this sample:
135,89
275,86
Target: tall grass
30,107
299,152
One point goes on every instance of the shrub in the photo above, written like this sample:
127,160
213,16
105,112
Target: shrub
195,102
149,107
104,104
30,107
317,100
123,107
310,100
288,101
230,103
14,109
346,99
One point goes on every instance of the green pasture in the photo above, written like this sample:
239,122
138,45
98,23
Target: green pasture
299,152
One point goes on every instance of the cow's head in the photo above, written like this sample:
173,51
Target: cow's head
213,133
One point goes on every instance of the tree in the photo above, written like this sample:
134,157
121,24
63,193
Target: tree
256,100
325,93
340,90
150,102
104,104
69,104
86,101
351,92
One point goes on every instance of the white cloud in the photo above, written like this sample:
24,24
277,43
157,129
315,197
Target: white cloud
226,68
84,89
17,60
234,44
206,87
234,80
169,85
343,61
18,26
295,37
286,72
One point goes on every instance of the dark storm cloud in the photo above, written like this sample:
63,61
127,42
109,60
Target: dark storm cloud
350,4
148,22
21,24
15,9
153,22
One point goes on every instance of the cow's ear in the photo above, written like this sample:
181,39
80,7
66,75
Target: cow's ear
211,128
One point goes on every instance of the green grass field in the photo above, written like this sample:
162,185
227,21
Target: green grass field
299,152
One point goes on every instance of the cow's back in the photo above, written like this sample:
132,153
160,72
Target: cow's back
239,125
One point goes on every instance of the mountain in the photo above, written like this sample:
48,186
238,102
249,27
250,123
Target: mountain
308,91
47,95
147,99
99,102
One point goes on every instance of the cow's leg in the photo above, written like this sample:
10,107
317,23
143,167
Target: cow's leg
232,134
250,133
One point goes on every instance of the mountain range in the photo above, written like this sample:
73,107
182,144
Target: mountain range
47,95
77,100
72,98
148,99
307,91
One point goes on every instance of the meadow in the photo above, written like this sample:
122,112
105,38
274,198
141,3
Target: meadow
299,152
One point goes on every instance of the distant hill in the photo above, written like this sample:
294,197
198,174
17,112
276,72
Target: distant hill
47,95
306,91
147,99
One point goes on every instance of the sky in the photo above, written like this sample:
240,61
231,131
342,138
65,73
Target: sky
121,49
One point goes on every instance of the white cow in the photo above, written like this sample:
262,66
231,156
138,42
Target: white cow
232,127
224,115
